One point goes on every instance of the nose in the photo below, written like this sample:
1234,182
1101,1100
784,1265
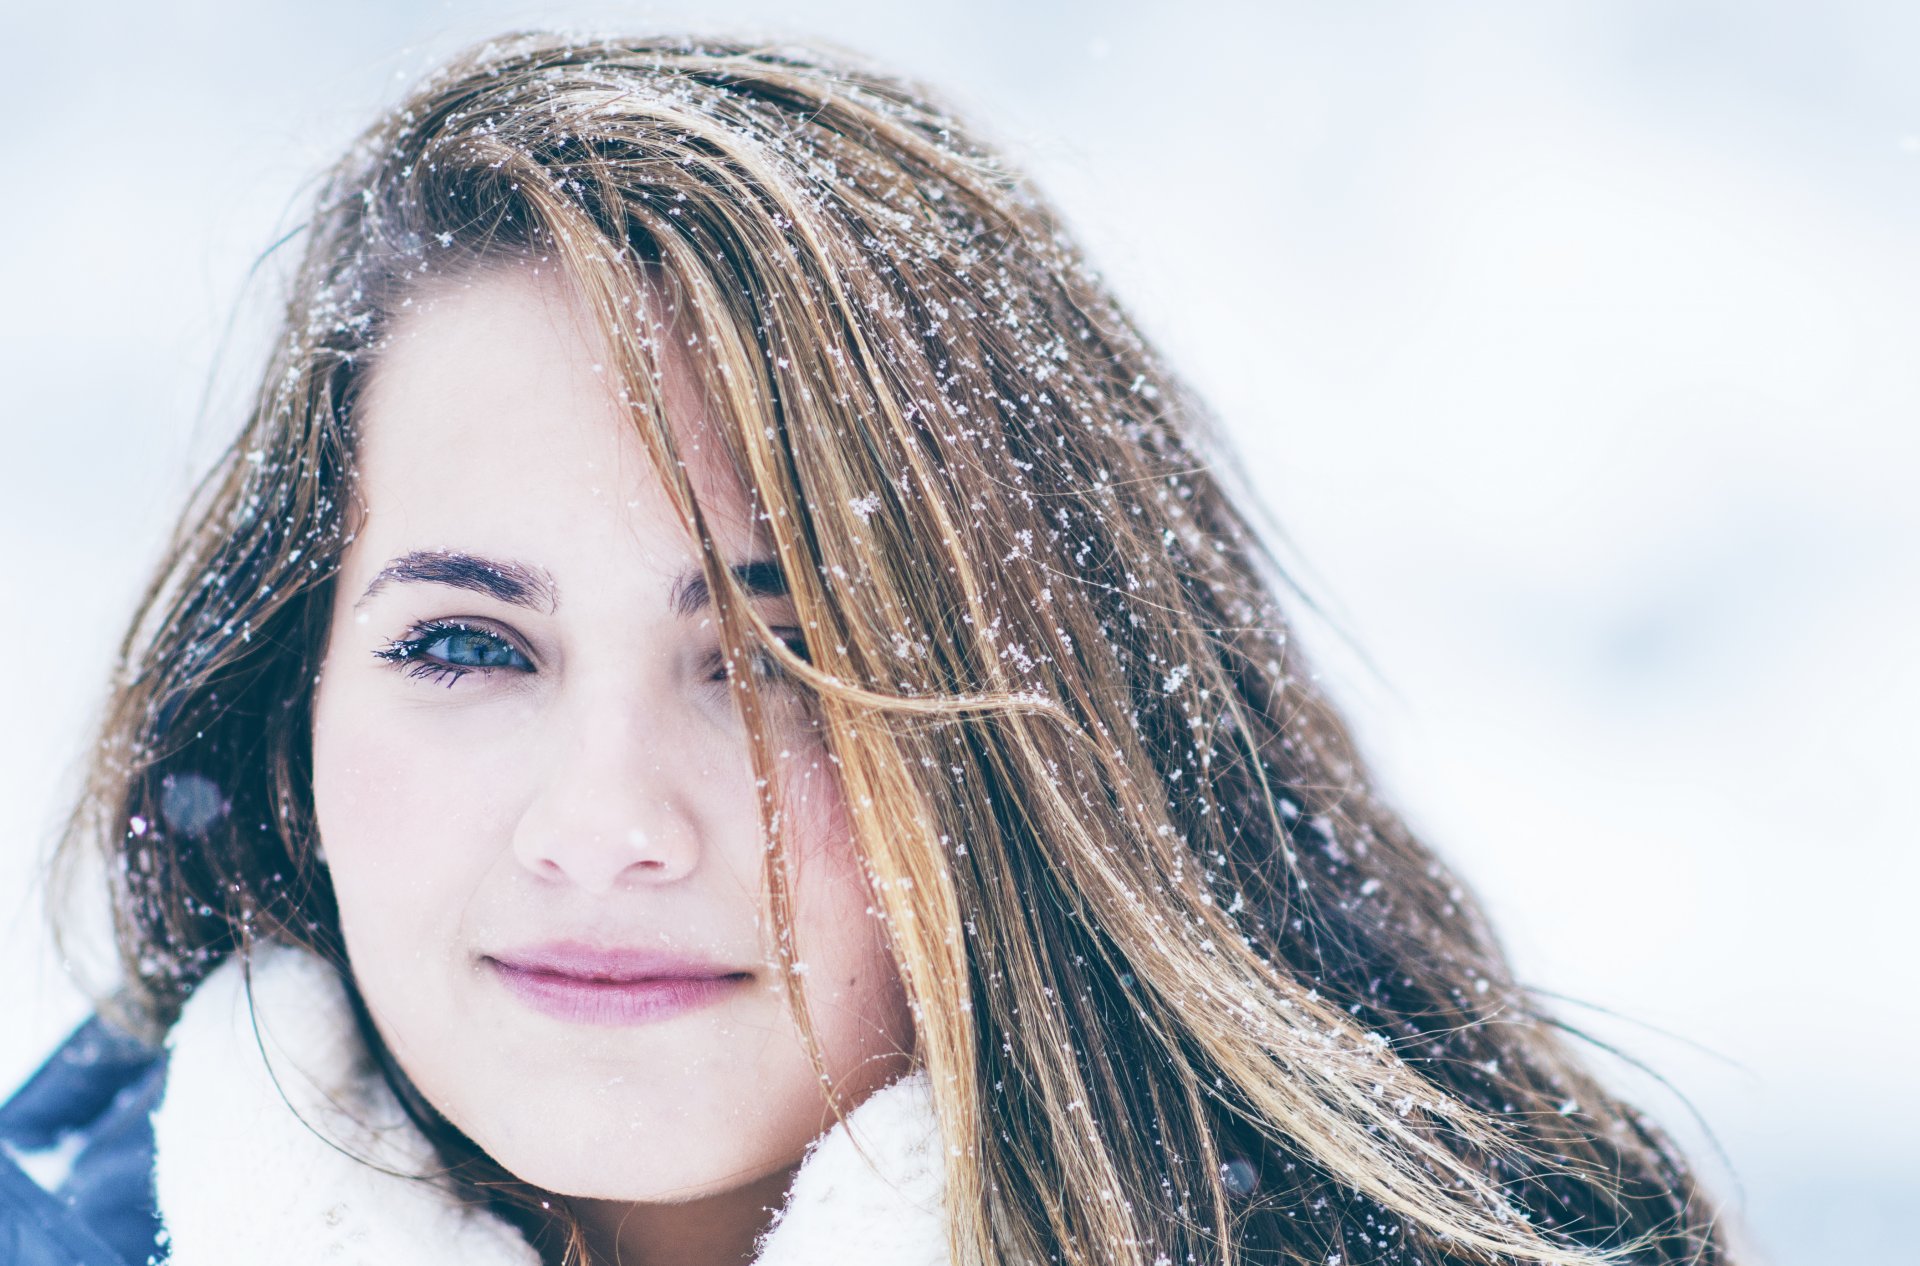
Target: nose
615,807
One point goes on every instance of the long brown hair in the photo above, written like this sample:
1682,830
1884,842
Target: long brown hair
1186,989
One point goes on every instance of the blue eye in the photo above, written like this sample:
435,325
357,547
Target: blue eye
759,663
445,651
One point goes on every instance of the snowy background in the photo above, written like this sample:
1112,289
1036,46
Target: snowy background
1577,348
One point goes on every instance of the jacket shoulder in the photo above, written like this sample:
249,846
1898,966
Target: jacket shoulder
76,1154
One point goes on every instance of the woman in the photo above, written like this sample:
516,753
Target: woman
719,709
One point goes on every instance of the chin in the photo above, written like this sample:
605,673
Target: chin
633,1170
595,1143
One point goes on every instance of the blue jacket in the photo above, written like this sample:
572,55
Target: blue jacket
81,1125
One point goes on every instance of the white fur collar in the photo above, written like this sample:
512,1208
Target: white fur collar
243,1180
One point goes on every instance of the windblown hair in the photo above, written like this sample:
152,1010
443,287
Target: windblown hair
1186,989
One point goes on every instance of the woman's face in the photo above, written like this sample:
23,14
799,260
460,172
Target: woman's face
533,788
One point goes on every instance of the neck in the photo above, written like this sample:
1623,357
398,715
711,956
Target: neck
716,1230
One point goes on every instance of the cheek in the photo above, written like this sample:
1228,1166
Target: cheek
852,982
403,824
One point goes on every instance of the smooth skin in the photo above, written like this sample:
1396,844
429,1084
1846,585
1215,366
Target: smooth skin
586,778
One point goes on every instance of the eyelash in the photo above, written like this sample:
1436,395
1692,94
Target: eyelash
408,654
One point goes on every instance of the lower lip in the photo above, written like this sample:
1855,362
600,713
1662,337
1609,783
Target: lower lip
580,1000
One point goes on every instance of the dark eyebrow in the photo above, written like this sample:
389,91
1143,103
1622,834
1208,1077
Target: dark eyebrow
760,577
522,586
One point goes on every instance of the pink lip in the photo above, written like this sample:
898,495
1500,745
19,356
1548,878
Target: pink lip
583,984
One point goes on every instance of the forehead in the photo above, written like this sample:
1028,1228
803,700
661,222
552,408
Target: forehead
493,401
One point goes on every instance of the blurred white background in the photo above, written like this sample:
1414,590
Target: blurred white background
1574,347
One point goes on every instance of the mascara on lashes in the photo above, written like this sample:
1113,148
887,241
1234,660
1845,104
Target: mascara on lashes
410,654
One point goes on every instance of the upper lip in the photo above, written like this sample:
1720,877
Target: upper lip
614,964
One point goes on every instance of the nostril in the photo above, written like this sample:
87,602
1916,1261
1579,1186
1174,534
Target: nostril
603,831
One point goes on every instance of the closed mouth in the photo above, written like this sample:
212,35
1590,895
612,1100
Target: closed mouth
610,996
